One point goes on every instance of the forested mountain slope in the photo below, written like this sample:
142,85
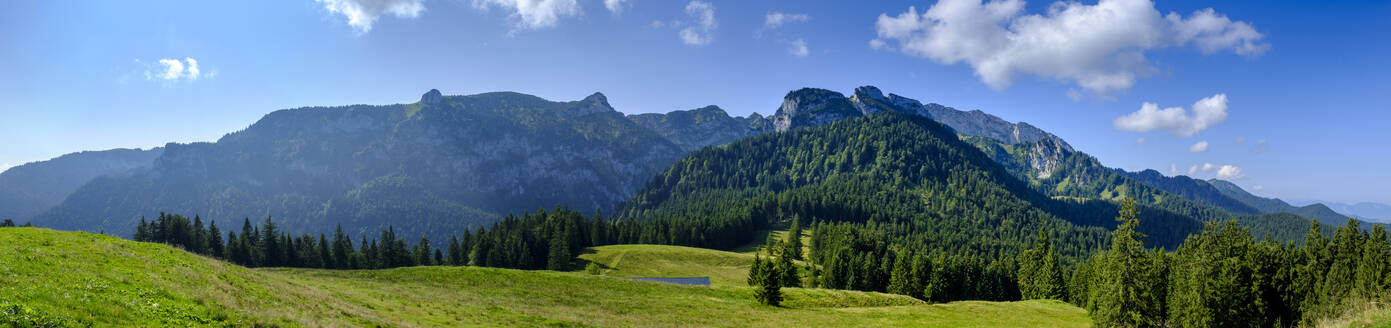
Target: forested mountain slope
32,188
1320,212
435,167
902,175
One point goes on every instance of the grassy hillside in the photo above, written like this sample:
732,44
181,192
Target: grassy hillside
73,278
627,261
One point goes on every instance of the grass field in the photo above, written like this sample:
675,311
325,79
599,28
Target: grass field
627,261
71,278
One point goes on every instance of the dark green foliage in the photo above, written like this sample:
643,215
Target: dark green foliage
1222,277
1122,297
7,223
910,177
1040,273
766,278
794,239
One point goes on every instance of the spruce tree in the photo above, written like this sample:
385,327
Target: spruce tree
1040,276
1121,295
1372,271
342,245
325,256
794,239
215,241
559,257
767,282
901,278
787,271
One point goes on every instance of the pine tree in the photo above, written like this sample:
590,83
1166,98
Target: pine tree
787,271
271,245
215,241
456,256
559,257
1040,276
197,241
325,256
1121,298
767,282
342,245
901,278
794,239
1372,270
142,230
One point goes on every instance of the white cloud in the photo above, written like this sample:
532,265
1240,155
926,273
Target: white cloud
362,14
797,48
1193,169
1199,147
1257,187
1228,172
1207,113
172,70
1140,141
1208,167
533,14
776,19
615,6
1173,170
1099,47
878,44
701,30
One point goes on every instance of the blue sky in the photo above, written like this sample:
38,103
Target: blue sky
1305,83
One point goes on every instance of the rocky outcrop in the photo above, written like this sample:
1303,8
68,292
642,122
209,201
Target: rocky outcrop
812,107
432,97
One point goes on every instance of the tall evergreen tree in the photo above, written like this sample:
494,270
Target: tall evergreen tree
1122,297
558,258
1040,275
794,238
1372,277
215,241
325,256
342,245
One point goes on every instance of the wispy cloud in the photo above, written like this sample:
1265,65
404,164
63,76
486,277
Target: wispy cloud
797,48
533,14
702,27
615,6
775,19
1207,113
362,14
1100,47
1199,147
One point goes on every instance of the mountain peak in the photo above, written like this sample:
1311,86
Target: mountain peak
869,92
432,97
597,103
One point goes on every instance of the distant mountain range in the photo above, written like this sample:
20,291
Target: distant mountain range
32,188
448,163
1365,210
